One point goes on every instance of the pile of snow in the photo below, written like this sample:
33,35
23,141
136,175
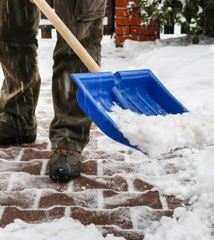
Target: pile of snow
65,229
156,135
185,225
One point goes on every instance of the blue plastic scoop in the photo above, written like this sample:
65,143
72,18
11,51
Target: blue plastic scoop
137,90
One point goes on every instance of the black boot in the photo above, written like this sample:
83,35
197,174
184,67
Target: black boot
64,165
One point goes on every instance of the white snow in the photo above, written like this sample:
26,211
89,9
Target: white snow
187,72
65,228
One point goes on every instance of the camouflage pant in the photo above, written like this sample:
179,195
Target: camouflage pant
19,22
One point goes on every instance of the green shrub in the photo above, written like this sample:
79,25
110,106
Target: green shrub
190,14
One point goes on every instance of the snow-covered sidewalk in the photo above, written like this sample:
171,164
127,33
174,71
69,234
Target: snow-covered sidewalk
122,192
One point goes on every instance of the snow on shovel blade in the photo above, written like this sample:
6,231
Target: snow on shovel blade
137,90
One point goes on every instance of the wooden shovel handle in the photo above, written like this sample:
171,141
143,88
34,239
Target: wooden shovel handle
68,36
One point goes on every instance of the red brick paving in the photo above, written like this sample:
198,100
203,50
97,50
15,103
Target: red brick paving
110,192
101,195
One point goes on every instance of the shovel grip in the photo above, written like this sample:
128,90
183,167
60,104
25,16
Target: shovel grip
68,36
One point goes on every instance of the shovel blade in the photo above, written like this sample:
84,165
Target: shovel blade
137,90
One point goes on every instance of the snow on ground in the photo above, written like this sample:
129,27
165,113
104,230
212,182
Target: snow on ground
187,72
65,229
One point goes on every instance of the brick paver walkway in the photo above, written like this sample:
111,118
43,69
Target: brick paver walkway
111,192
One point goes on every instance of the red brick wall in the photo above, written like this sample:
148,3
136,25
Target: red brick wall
129,27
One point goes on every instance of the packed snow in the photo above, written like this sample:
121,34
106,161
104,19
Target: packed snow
187,72
65,229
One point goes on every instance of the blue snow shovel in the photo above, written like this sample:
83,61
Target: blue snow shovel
137,90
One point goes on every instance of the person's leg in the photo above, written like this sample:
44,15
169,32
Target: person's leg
20,89
70,127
